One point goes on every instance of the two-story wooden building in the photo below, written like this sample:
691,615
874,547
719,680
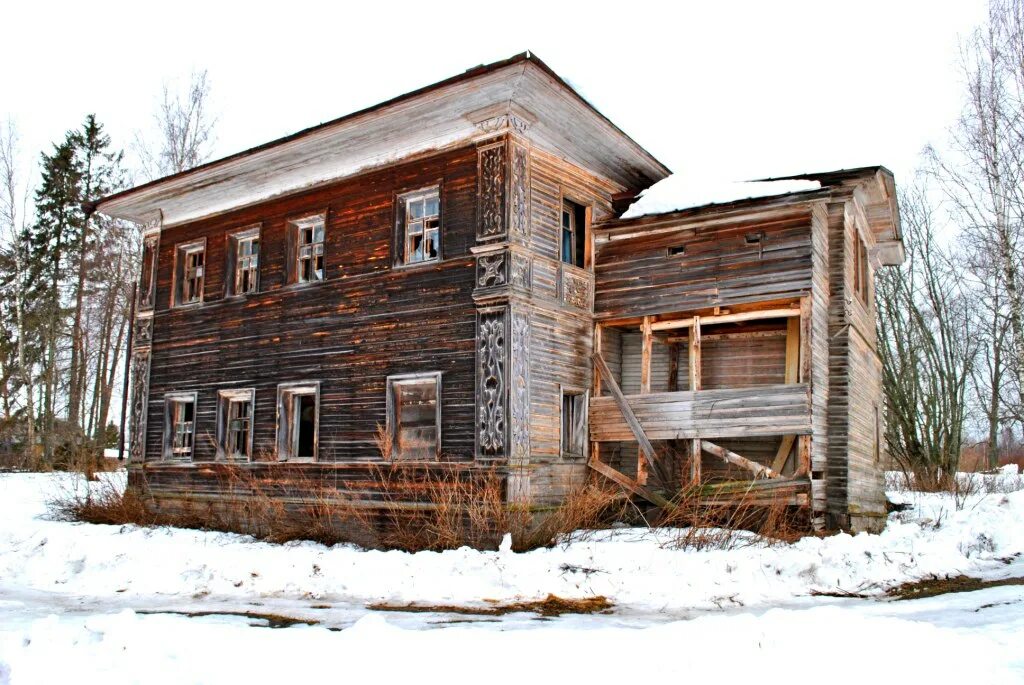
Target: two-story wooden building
454,267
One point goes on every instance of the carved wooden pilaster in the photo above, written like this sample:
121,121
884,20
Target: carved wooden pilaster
491,384
492,175
519,399
519,192
139,404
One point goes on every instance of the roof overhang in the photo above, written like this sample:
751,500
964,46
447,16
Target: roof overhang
874,188
521,95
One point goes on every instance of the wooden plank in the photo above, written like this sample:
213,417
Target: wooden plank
694,346
782,456
758,470
695,459
627,413
728,318
646,349
630,485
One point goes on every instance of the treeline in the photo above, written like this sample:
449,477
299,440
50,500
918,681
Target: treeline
67,276
951,319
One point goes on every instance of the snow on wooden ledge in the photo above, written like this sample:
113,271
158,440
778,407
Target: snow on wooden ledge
677,193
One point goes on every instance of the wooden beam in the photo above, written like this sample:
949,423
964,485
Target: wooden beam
598,349
695,459
673,368
758,470
792,350
728,318
630,485
646,349
782,455
627,413
803,450
694,343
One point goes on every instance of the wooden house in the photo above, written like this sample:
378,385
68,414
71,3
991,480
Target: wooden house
452,271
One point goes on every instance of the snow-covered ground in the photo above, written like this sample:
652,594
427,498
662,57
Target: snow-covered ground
99,603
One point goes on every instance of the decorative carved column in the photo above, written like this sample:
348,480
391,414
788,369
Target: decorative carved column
142,341
502,287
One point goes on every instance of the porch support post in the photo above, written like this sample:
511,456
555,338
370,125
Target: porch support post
695,385
645,387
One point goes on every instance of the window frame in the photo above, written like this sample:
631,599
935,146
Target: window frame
232,270
295,227
170,399
181,252
225,398
401,234
582,211
392,421
584,395
861,269
286,452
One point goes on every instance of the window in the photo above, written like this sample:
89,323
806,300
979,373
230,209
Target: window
298,417
234,423
419,226
147,278
574,423
190,270
861,270
574,233
307,242
179,425
244,261
414,415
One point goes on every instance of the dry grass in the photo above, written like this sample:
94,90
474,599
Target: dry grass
552,605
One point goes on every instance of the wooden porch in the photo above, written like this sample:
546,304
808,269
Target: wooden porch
770,404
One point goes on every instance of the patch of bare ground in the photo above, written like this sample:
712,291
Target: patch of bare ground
550,606
934,586
270,620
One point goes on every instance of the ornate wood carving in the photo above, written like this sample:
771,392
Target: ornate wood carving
492,192
520,276
519,191
139,405
143,336
520,388
491,392
504,121
491,270
575,290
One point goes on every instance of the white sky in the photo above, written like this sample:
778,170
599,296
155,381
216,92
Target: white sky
716,90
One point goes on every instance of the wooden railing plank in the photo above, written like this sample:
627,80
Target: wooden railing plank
646,448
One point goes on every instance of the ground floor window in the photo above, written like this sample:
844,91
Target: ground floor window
179,425
414,416
574,422
298,419
234,423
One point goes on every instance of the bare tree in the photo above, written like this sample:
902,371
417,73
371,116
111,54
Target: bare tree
13,223
184,130
928,345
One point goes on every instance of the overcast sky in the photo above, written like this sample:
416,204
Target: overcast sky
715,90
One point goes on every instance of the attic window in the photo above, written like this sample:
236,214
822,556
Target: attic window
753,238
677,250
419,226
189,273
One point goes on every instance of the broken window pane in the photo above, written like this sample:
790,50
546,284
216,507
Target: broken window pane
415,417
573,423
420,229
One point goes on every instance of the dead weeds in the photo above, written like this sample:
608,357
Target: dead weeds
551,606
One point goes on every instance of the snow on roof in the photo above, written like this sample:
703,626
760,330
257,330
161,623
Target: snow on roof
678,192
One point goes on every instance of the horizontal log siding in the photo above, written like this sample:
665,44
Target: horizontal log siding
637,276
366,321
561,336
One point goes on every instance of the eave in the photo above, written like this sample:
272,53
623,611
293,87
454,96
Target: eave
520,95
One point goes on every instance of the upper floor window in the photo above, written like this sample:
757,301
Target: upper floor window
419,226
244,261
147,277
414,415
179,425
234,423
190,272
306,241
861,270
574,234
